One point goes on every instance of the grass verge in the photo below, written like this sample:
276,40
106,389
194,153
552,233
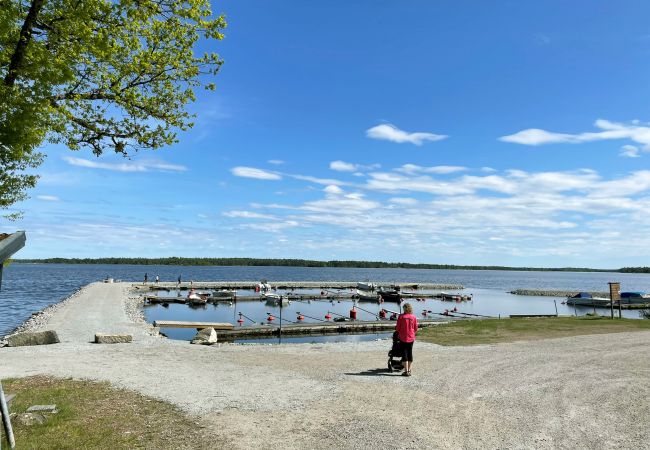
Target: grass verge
94,415
490,331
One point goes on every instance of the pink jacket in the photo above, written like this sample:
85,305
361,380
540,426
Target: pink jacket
407,325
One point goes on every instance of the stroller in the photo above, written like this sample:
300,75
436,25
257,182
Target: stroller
395,364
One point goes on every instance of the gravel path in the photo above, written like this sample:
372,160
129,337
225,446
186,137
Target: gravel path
579,392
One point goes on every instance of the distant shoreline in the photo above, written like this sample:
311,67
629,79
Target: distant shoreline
261,262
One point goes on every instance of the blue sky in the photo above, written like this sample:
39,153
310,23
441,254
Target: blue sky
465,132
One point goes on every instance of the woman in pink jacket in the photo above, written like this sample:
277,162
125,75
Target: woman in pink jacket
407,325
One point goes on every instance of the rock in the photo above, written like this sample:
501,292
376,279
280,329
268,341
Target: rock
43,409
38,338
102,338
3,343
28,419
206,336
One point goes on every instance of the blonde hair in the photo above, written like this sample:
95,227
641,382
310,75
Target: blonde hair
408,309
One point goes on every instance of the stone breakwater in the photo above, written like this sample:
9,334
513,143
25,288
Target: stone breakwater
542,293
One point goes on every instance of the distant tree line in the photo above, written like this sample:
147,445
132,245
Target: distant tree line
635,270
178,261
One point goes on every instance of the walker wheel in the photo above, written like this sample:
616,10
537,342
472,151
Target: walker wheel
390,367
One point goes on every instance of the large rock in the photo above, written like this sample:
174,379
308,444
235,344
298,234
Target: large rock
38,338
206,336
103,338
29,419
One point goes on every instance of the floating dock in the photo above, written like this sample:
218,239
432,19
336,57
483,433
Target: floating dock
283,285
306,329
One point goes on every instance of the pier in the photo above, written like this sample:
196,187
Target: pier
306,329
283,285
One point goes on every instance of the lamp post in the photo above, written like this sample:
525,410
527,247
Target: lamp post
8,246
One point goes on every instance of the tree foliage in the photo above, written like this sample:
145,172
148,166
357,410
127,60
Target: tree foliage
99,74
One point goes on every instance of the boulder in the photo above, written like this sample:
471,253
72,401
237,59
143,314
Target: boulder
103,338
206,336
29,419
38,338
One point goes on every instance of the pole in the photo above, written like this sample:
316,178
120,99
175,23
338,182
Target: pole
555,302
5,420
280,338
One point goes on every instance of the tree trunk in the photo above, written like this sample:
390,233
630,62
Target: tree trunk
23,41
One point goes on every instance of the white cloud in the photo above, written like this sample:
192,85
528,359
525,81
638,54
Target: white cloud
333,190
325,181
406,201
130,166
247,215
609,131
48,198
412,168
252,172
388,132
629,151
342,166
276,162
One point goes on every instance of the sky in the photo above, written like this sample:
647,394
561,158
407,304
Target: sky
453,132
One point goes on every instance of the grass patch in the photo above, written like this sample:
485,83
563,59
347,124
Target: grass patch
94,415
490,331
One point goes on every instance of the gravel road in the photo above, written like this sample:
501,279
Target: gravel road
579,392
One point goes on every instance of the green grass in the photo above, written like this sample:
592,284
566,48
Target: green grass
490,331
97,416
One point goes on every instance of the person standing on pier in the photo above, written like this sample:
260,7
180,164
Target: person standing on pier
146,277
157,279
407,325
179,281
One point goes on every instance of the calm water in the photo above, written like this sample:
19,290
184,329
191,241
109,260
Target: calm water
28,288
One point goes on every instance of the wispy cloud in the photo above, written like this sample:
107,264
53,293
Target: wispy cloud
388,132
247,215
342,166
48,198
629,151
130,166
252,172
412,168
276,162
609,131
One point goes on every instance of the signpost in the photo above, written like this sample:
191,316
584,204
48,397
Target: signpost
615,295
8,246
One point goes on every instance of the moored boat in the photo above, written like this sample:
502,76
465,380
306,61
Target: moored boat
586,299
389,294
367,296
224,293
274,299
366,286
631,298
197,299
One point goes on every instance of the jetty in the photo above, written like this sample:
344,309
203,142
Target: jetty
283,285
304,329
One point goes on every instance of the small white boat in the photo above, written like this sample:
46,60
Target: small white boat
367,296
196,299
366,286
275,299
586,299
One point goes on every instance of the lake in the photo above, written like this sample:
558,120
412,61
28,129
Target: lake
27,288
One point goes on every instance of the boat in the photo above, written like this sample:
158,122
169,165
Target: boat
586,299
389,294
224,294
367,296
631,298
366,286
274,299
444,296
194,298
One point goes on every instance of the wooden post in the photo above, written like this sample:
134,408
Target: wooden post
555,302
614,295
5,420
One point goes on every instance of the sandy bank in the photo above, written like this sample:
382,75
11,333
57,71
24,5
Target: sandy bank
581,392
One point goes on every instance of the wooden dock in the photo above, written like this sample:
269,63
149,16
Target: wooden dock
227,332
197,325
282,285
